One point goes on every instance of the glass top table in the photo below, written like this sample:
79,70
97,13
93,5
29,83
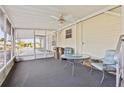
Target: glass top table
74,58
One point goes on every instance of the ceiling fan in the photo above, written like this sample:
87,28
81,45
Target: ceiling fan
63,19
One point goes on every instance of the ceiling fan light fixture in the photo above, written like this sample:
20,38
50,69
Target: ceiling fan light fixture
61,21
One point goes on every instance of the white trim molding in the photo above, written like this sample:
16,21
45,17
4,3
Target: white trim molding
7,15
113,13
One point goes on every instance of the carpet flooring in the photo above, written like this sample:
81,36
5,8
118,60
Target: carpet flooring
51,73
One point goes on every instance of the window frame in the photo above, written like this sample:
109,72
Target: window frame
4,19
68,33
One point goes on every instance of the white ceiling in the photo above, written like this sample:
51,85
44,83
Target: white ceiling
38,16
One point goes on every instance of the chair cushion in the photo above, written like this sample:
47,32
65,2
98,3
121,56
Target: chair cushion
110,67
68,50
109,57
99,66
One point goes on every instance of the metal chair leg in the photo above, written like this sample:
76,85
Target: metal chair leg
73,69
65,65
103,76
91,69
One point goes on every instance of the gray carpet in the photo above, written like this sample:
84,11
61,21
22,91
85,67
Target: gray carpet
51,73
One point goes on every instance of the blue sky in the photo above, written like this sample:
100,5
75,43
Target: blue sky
30,40
1,34
27,40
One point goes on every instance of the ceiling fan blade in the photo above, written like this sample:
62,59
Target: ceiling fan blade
68,17
53,22
54,17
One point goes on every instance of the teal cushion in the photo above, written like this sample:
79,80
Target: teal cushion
68,50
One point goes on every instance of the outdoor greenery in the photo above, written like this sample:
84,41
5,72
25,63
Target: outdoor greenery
22,44
1,43
1,39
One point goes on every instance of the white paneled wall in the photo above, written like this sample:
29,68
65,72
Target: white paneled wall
98,34
101,33
67,42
